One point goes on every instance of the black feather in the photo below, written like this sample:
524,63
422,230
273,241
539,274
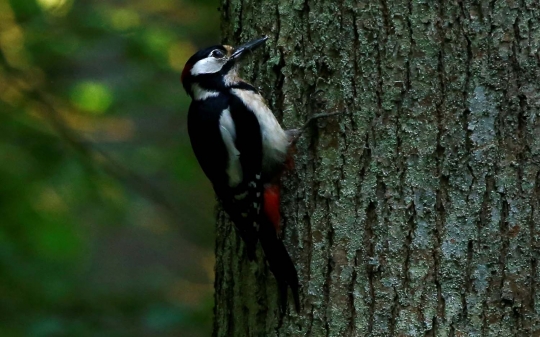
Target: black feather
280,264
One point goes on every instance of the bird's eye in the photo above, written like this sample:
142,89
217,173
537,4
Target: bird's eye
217,54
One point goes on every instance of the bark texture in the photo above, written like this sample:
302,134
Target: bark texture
417,211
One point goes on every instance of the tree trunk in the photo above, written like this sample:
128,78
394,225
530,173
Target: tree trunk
417,211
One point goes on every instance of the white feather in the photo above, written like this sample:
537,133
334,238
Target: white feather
200,94
228,134
208,65
274,138
231,77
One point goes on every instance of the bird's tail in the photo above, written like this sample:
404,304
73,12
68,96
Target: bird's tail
280,264
276,254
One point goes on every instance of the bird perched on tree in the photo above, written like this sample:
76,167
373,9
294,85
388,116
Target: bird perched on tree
242,149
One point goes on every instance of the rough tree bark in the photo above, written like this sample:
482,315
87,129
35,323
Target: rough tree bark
417,211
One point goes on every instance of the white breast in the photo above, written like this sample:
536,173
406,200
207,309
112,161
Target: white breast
275,141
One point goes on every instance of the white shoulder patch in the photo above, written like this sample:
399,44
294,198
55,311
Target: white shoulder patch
200,94
228,134
208,65
274,138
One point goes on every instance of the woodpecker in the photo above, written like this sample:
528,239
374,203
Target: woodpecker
242,149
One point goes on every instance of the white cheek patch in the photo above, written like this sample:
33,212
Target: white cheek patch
208,65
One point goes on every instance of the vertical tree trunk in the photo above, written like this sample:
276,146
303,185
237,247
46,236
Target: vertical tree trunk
416,212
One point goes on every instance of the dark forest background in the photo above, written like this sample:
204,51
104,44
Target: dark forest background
106,222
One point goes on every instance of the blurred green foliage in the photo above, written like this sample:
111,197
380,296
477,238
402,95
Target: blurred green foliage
106,222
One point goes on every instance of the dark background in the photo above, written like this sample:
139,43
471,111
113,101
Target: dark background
106,222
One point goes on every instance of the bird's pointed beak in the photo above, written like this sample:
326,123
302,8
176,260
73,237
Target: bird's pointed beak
247,47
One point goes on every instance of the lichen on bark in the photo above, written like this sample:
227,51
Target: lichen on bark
416,211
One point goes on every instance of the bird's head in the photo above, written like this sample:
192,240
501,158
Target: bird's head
214,68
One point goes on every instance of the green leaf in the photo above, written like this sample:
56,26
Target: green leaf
92,97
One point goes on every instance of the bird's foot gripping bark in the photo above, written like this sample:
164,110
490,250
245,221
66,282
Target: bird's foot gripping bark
294,134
